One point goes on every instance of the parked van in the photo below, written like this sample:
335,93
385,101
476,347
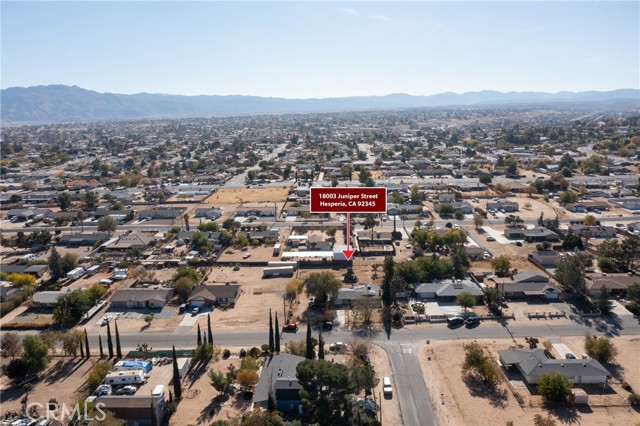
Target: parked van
386,386
130,377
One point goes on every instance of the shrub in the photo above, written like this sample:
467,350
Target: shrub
254,352
265,348
243,353
226,353
634,399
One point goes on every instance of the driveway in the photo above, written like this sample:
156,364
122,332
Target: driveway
497,235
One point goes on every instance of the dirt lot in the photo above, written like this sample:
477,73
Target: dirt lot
200,400
246,195
65,375
457,404
261,253
257,297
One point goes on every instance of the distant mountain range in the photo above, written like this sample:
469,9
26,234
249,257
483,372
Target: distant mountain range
57,103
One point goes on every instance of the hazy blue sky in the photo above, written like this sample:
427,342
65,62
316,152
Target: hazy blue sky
321,49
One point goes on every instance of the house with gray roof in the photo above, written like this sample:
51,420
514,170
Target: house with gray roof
534,363
35,270
448,290
535,235
141,297
348,296
45,299
278,377
530,285
210,295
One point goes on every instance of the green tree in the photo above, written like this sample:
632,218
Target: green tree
364,378
185,271
208,227
90,199
100,344
199,341
271,339
309,353
98,372
555,388
107,224
209,330
492,298
218,380
501,265
608,265
589,220
466,300
118,347
36,354
486,178
55,265
64,201
570,273
388,269
568,197
109,341
571,242
323,286
71,341
230,224
600,348
603,303
326,388
320,346
277,335
177,389
477,364
200,242
184,287
86,344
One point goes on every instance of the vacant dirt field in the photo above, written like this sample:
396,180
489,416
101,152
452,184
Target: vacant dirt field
248,195
458,404
257,297
65,375
201,403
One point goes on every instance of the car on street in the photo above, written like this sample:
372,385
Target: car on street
337,347
105,320
290,327
455,322
386,386
126,390
471,321
490,238
326,325
407,246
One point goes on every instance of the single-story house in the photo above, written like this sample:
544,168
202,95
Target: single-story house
171,213
151,298
278,378
535,235
210,295
87,239
45,299
586,206
209,212
393,209
135,240
447,197
533,364
448,290
348,296
615,284
23,214
474,252
547,259
256,211
462,206
35,270
585,231
527,285
507,206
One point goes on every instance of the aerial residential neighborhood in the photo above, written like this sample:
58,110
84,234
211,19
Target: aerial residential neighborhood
310,213
202,253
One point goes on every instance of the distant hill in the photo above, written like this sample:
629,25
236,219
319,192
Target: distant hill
71,103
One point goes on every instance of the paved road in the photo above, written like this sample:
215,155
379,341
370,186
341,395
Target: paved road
409,386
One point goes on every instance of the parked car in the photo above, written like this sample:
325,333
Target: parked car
519,243
195,311
326,325
183,308
569,355
386,386
471,321
455,321
126,390
105,320
246,255
490,238
337,347
103,390
290,327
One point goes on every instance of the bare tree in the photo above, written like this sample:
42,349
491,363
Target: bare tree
362,311
10,344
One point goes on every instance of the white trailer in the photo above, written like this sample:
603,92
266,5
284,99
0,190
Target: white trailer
91,271
130,377
75,273
279,264
278,271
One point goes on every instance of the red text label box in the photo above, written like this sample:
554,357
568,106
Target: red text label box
348,200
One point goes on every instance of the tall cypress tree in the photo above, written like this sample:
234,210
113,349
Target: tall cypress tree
109,340
271,342
81,349
199,336
209,333
320,346
177,390
309,352
100,343
386,283
154,417
118,347
277,335
86,343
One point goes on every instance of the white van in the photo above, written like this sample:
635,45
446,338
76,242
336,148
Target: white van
386,386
